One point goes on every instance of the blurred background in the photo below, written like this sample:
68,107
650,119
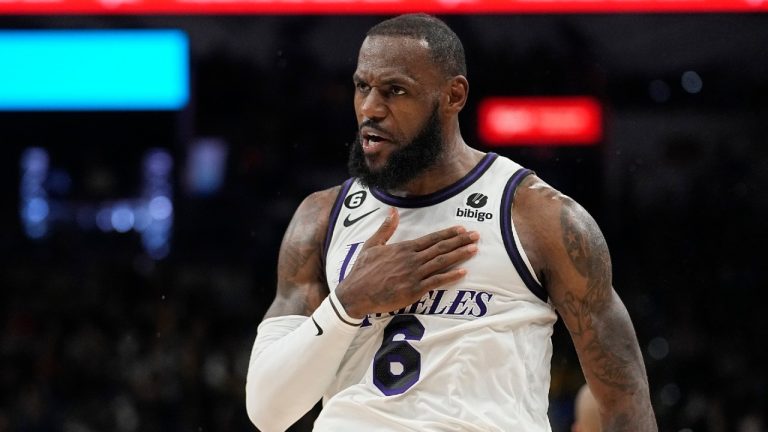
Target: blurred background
140,233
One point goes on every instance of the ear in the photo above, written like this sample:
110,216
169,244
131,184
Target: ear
458,91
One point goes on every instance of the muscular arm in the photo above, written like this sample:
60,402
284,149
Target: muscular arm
301,282
571,258
292,362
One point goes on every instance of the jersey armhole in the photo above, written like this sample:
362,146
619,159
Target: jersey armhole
511,240
335,210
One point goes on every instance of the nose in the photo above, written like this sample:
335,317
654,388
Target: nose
372,106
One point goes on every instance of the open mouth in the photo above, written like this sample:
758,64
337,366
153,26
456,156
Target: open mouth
372,142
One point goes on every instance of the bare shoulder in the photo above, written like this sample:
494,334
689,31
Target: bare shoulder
562,239
301,282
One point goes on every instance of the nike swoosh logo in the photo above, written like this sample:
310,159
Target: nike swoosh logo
348,222
319,329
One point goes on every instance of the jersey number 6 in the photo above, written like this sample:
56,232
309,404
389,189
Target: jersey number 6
397,364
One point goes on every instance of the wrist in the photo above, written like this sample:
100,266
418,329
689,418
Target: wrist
345,309
341,311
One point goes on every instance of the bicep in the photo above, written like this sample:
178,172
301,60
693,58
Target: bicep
301,285
580,287
579,269
570,254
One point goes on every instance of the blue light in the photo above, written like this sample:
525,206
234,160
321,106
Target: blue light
37,210
104,219
157,195
206,166
94,70
34,207
122,218
160,207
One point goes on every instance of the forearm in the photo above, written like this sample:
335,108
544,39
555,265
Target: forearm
292,364
627,410
614,367
635,416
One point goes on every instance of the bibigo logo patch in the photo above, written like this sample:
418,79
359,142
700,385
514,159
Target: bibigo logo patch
476,201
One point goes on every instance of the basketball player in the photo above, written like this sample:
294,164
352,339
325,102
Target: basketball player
420,295
586,412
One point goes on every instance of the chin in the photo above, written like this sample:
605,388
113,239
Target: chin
376,162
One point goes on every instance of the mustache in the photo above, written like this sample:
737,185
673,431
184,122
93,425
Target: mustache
373,124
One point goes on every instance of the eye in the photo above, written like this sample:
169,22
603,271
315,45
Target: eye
362,87
396,90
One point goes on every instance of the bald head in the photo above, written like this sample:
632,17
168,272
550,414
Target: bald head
587,412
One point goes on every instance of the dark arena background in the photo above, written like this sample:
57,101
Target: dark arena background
139,236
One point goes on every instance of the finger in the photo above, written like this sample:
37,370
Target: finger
448,245
385,231
441,262
442,279
431,239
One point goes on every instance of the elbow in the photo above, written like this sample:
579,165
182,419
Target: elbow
257,409
262,410
252,406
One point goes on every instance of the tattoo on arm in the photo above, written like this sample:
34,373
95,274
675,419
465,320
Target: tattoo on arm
300,265
611,361
577,274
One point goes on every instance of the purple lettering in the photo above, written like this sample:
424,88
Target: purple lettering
482,303
460,301
347,259
436,303
415,307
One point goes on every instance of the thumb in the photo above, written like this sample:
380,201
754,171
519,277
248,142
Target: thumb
385,231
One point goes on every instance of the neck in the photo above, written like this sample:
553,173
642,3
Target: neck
456,160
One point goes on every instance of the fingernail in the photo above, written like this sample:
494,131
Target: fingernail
474,235
472,248
460,230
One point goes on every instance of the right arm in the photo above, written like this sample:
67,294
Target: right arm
295,359
301,285
287,345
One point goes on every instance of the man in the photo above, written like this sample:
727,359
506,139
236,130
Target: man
430,296
586,412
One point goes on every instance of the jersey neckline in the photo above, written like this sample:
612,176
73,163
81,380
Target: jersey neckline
441,195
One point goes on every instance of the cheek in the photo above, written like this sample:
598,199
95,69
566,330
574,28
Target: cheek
408,125
410,128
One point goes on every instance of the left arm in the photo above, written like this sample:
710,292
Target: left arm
571,258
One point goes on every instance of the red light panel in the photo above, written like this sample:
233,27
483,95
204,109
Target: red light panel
372,6
540,121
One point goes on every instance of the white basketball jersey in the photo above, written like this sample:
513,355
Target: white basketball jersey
471,356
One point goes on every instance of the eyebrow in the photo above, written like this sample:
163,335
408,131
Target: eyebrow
387,81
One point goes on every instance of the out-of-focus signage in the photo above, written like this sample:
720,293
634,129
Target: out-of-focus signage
540,121
93,69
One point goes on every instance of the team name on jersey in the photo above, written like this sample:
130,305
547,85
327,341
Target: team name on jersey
466,302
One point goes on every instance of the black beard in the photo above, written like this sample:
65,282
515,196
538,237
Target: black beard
405,163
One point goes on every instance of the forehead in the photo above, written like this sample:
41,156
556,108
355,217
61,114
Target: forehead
383,57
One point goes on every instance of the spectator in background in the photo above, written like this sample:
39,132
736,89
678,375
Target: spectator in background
586,412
